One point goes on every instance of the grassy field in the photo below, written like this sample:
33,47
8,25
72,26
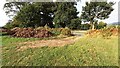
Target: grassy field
84,52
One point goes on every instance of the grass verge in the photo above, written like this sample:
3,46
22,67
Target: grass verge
84,52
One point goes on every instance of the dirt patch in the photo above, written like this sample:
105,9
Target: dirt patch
50,43
105,31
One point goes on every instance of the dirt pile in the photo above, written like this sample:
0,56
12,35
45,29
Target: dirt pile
3,30
29,32
104,32
42,33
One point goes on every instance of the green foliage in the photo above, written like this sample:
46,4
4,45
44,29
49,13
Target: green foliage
75,23
35,14
39,14
10,25
63,31
85,26
66,31
96,10
56,31
65,12
100,25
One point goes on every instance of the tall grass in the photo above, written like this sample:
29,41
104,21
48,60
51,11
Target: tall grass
84,52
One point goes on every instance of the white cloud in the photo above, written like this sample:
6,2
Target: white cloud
4,18
114,15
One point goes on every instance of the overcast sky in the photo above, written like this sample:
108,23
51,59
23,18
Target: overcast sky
113,16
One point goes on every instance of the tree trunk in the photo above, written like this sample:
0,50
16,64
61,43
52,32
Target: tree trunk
93,26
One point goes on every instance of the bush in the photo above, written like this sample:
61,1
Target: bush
10,25
75,24
101,25
66,31
85,26
56,31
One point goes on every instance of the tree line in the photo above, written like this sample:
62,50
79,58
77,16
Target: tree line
57,14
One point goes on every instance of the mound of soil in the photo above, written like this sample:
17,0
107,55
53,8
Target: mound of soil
112,31
3,30
29,32
42,33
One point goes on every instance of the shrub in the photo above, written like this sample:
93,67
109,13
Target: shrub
85,26
75,24
56,31
10,25
66,31
101,25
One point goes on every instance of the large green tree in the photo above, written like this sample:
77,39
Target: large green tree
65,12
93,11
35,14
